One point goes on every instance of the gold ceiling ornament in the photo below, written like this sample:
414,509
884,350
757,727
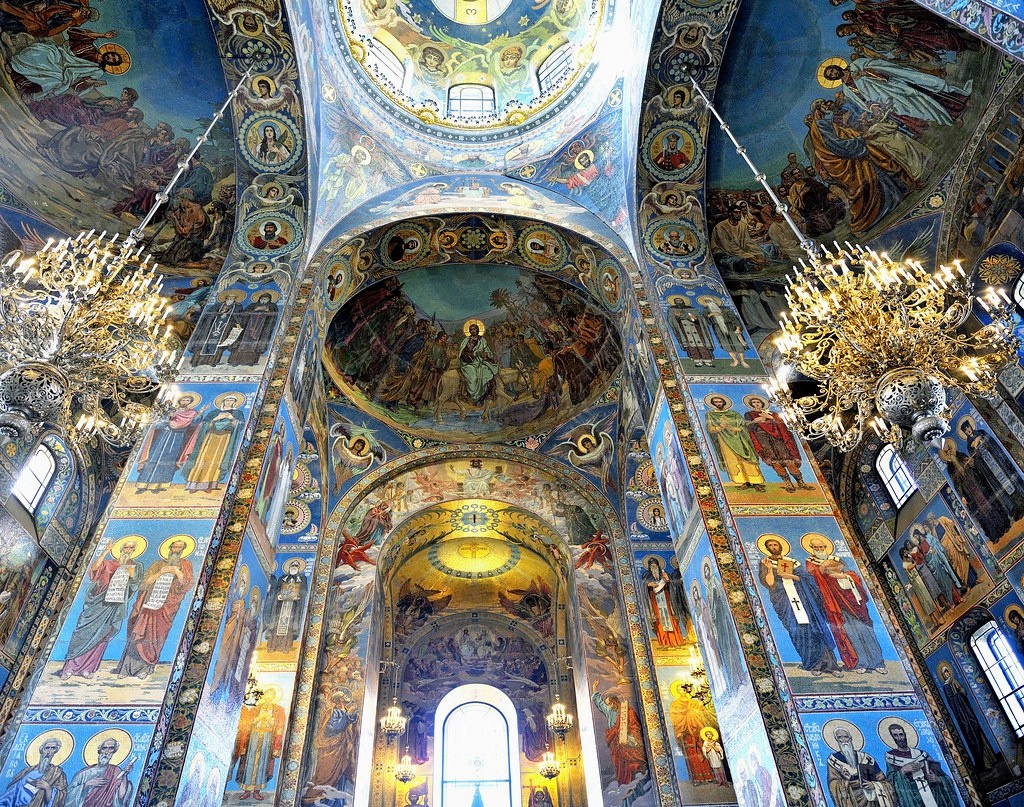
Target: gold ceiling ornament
875,342
83,337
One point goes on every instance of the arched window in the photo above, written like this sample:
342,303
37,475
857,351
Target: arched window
34,478
1004,671
478,735
899,484
470,101
387,64
555,67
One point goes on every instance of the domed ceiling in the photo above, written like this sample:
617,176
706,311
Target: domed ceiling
491,67
472,352
875,115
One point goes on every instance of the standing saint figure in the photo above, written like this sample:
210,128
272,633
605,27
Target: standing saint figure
162,449
727,328
104,784
282,617
476,363
797,603
845,600
218,329
115,580
209,456
258,321
692,331
689,718
259,743
944,532
983,756
733,447
854,777
715,754
624,736
660,608
725,634
774,442
164,586
918,779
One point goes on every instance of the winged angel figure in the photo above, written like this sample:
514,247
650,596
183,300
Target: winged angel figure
590,448
354,449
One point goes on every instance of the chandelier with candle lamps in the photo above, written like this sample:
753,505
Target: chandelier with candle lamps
84,342
873,342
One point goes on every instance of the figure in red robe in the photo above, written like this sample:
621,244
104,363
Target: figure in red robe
164,586
624,736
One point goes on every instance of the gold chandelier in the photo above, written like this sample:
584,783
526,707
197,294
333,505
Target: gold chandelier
405,771
878,341
82,334
83,342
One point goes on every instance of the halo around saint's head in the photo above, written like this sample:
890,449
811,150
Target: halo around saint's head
188,400
300,562
771,536
832,61
243,577
966,420
942,667
1013,610
805,542
576,162
188,540
469,322
220,399
828,733
887,722
67,745
138,540
676,689
748,400
704,299
712,395
116,69
678,299
709,733
91,752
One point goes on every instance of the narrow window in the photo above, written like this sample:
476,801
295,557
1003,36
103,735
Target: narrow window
35,478
1004,671
555,67
470,101
899,484
479,748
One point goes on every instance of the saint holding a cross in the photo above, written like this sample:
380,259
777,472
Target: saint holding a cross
797,603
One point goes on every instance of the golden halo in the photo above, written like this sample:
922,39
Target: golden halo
188,540
676,689
188,400
231,295
828,732
301,561
576,162
91,752
942,666
805,542
771,536
274,295
252,31
116,69
829,83
67,745
709,733
966,420
678,299
138,540
704,299
258,268
220,399
364,158
273,689
706,566
255,597
272,184
1012,609
478,323
257,80
243,577
661,561
948,453
711,395
886,737
754,396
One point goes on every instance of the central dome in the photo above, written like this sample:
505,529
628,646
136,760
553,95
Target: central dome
472,352
472,66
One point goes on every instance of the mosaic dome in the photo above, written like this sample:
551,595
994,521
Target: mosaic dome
472,69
